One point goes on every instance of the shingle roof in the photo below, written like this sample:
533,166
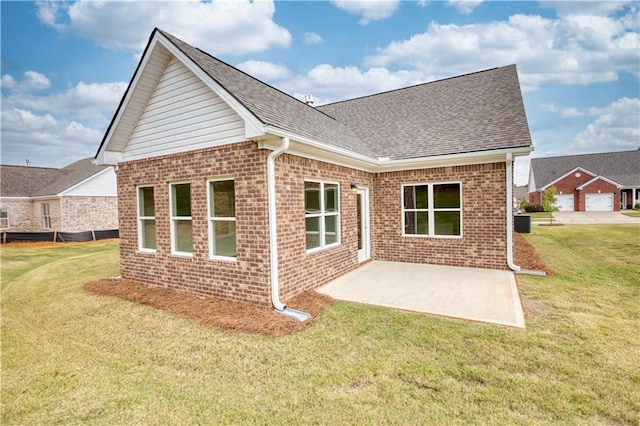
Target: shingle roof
22,181
475,112
620,167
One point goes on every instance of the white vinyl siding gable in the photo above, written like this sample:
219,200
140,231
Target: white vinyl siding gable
183,114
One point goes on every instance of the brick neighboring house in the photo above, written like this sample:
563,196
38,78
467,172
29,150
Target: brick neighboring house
79,197
231,188
608,181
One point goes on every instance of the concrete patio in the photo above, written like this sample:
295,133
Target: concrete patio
468,293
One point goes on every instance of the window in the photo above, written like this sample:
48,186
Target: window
222,219
146,219
46,216
432,209
4,217
322,214
181,232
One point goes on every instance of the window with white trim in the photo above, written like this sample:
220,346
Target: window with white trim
222,219
46,215
181,229
4,217
321,214
433,210
146,219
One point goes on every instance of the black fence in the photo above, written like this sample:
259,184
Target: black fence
59,237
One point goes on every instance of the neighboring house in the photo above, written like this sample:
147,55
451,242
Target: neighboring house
609,181
79,197
229,187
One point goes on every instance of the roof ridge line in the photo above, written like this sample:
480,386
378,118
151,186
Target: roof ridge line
416,85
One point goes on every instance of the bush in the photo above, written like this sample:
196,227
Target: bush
637,206
533,208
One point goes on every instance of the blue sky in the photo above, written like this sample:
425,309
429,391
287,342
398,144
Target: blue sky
66,65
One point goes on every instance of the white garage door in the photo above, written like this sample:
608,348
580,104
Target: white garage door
564,202
599,202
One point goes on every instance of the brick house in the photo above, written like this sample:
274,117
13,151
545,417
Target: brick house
76,198
608,181
231,188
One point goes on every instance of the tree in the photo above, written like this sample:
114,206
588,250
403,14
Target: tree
549,201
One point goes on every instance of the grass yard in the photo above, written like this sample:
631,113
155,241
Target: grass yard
539,216
632,214
70,356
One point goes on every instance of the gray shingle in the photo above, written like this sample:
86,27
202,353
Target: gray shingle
620,167
471,113
22,181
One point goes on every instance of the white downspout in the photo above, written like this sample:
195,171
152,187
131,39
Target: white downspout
279,307
517,269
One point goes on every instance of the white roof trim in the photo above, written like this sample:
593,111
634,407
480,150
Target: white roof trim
75,185
565,175
253,126
308,148
590,181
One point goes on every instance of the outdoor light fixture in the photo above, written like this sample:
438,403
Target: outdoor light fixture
353,187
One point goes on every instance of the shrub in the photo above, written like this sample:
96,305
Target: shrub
637,206
533,207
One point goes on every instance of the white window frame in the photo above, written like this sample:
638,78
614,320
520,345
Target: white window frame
4,219
213,219
431,210
175,219
141,220
322,214
45,211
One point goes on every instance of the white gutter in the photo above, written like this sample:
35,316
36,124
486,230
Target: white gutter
517,269
280,307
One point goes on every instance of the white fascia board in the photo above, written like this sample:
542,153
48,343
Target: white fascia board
45,197
110,158
590,181
309,148
82,182
567,174
252,126
15,198
102,157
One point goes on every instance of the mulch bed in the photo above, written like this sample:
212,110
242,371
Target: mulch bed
246,317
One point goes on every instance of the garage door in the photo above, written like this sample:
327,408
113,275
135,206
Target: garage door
598,202
565,202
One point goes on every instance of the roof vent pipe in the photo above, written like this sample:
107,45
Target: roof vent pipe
308,99
279,307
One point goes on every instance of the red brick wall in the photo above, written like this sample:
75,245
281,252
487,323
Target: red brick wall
483,243
298,270
244,280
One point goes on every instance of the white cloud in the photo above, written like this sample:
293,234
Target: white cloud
54,128
576,49
565,113
328,83
616,127
265,70
369,10
32,81
312,38
219,27
465,6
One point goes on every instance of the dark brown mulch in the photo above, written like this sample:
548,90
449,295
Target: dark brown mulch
525,256
213,312
249,318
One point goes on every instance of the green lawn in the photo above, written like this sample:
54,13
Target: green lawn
72,357
632,214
